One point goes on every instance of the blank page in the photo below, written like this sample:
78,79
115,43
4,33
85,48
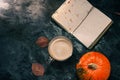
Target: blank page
92,28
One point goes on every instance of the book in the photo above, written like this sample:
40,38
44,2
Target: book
82,20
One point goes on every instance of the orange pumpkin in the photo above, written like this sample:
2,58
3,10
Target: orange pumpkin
93,66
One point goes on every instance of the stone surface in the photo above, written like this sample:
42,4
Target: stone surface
25,20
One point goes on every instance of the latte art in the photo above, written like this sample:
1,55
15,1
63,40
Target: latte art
60,48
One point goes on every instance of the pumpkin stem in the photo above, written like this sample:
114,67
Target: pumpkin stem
92,66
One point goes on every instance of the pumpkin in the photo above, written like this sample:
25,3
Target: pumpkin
93,66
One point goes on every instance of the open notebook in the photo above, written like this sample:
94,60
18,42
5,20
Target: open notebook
82,20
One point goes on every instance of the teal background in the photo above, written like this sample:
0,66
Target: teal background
19,30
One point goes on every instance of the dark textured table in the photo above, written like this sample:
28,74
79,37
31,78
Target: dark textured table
25,20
